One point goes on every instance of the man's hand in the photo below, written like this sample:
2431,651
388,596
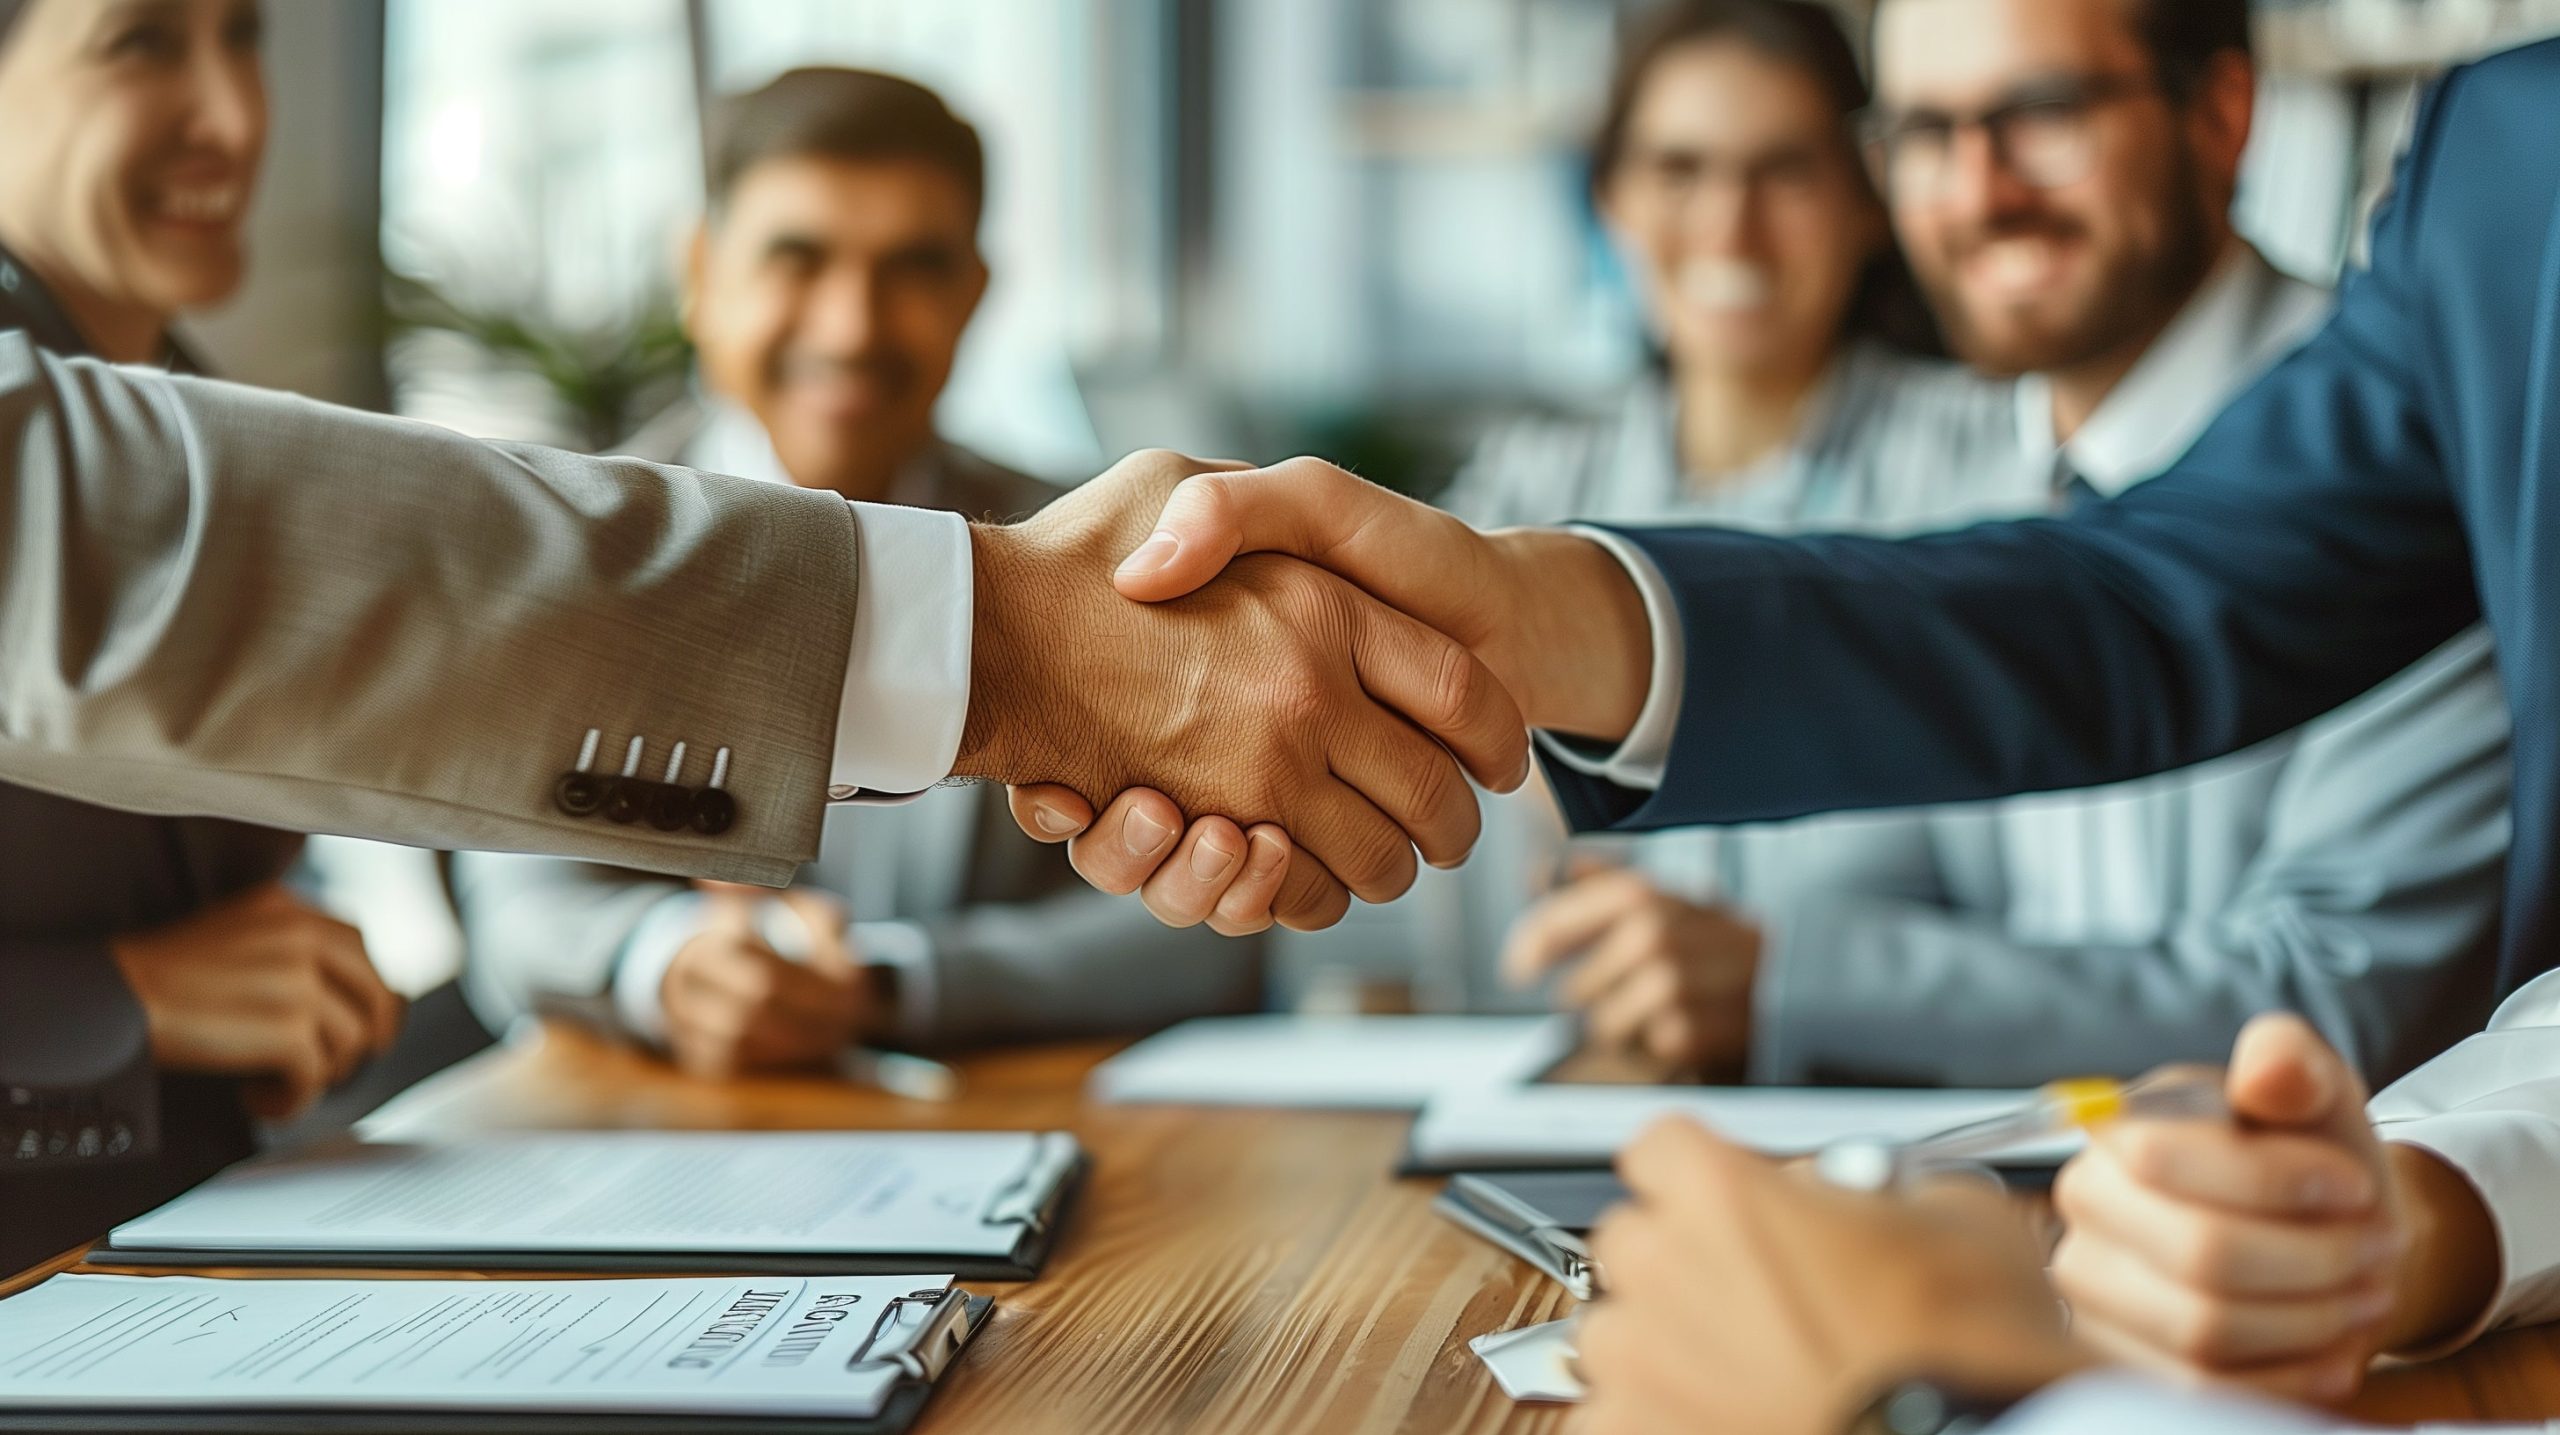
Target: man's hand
1651,973
1752,1299
2279,1253
1281,694
1552,614
734,1005
263,986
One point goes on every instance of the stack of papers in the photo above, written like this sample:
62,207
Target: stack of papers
1565,1127
1361,1063
981,1203
132,1351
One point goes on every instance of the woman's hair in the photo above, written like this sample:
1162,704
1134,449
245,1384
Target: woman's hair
9,17
1809,37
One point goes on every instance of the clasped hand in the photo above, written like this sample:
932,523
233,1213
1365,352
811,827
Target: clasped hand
1311,671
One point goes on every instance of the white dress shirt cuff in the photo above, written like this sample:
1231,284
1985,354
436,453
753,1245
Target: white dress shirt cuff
2115,1403
640,975
906,683
2512,1159
907,948
1645,752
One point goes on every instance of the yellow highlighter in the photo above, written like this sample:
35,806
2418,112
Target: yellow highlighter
2058,1108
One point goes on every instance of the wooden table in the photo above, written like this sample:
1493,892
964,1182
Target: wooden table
1225,1271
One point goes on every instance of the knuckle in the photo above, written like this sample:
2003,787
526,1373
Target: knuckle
1456,690
2200,1331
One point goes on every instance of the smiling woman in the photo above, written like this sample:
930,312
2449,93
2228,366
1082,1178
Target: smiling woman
135,130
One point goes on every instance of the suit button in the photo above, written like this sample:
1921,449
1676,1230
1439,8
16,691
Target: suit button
714,812
579,793
624,798
670,807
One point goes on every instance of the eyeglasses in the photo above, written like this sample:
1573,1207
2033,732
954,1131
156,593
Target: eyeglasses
2045,136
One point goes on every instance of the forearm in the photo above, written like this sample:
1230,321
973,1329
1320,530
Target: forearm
239,602
1078,964
545,935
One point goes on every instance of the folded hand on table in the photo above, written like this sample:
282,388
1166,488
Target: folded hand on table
1549,616
264,986
734,1005
1752,1298
2279,1251
1280,697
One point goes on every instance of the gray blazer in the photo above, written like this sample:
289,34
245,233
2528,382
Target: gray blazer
1014,945
221,601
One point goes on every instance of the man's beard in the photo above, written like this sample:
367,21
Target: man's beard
2131,300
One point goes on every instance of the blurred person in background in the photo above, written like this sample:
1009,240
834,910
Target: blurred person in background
2060,174
1790,374
157,978
827,291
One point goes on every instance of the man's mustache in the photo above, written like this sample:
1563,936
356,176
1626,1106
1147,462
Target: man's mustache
884,370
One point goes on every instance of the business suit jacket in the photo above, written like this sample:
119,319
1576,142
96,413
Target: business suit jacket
2369,498
1012,945
217,600
91,1132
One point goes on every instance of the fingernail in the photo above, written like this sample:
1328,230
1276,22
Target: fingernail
1152,555
1267,856
1143,835
1050,820
1210,862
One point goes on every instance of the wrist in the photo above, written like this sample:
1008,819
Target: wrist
1577,654
1002,574
2448,1274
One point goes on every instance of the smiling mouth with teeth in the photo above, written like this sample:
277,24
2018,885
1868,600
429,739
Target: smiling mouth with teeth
219,205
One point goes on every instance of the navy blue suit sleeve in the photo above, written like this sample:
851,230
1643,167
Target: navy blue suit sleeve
77,1082
2305,550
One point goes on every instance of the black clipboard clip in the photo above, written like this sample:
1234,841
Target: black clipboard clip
917,1334
1030,1199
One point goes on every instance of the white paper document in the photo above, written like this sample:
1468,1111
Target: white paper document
763,1193
1587,1125
1386,1063
771,1347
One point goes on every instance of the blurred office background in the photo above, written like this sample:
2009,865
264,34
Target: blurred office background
1247,227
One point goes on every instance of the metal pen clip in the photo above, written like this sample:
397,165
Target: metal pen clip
1030,1199
1574,1266
924,1352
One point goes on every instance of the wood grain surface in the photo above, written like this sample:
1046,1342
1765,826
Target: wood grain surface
1226,1270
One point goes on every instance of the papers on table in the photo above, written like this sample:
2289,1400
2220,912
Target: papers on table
632,1200
835,1347
1387,1063
1558,1127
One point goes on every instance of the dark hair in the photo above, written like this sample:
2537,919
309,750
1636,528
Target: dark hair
2184,37
840,114
9,12
1810,37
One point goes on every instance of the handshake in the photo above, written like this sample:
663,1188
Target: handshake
1298,667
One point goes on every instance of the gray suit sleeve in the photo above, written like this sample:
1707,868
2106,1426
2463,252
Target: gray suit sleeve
77,1082
2371,908
221,600
1078,964
544,934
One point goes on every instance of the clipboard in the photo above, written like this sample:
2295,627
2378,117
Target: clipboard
1037,1200
1542,1217
923,1356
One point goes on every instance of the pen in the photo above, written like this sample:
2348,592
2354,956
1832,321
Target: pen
916,1078
2080,1104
